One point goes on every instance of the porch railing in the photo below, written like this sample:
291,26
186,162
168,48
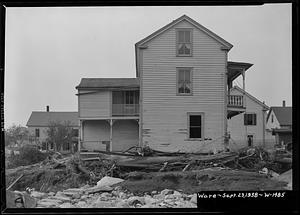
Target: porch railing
125,109
235,101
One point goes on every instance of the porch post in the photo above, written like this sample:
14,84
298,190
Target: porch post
110,134
80,135
243,74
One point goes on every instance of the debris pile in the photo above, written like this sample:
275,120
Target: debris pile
141,178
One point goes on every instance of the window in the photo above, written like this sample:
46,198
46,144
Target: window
74,132
184,81
37,132
250,140
272,118
66,146
195,125
250,119
184,42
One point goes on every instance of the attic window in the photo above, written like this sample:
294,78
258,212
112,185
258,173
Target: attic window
184,42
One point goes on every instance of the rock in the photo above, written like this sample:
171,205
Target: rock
109,181
101,204
81,204
169,196
154,192
166,192
56,201
136,200
177,194
76,196
51,194
38,195
98,189
67,205
194,199
149,200
83,197
122,204
61,198
48,203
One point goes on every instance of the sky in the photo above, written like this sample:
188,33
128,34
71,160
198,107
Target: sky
49,49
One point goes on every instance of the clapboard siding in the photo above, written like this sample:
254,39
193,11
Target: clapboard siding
94,104
125,134
164,112
238,131
94,132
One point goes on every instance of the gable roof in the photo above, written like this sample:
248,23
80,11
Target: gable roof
42,118
250,96
92,83
226,44
283,115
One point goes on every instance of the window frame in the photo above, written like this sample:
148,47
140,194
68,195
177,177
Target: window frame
177,42
254,121
202,125
177,79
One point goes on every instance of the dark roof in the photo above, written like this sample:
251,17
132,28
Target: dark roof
109,83
235,69
42,118
283,115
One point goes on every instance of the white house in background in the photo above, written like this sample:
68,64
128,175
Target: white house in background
38,124
249,128
279,122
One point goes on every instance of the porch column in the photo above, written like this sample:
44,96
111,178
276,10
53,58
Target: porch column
110,134
243,74
80,135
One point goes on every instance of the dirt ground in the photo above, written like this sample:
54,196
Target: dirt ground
201,180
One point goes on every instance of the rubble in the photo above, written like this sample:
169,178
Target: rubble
145,179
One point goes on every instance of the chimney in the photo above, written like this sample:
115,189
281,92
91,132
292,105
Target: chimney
283,103
47,108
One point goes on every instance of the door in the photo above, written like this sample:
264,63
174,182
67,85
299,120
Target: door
250,140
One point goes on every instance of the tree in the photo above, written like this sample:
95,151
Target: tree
16,134
59,133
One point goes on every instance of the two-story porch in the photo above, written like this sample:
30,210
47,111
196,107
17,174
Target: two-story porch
108,114
235,103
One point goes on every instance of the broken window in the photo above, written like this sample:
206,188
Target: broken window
250,119
184,80
195,126
184,42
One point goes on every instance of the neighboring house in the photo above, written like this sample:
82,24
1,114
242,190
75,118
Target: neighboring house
249,129
38,123
179,101
279,121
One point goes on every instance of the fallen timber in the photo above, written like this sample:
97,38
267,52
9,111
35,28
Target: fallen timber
162,162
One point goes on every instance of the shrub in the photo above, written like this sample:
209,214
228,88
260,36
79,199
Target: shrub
28,155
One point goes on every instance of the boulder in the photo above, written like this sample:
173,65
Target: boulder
38,195
134,200
81,204
98,189
194,198
122,204
108,181
66,205
166,192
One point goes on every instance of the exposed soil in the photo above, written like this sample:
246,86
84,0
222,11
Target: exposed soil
203,180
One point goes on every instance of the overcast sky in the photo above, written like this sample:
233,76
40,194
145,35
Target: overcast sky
48,50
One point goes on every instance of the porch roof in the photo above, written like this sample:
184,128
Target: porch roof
236,68
95,83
